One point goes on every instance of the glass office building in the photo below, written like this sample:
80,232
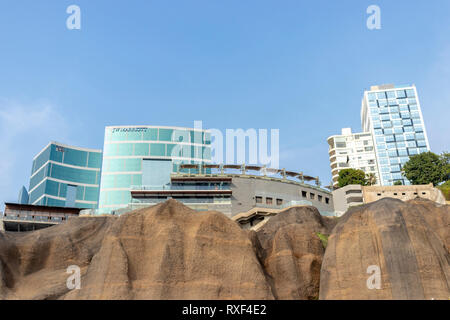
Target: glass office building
66,176
143,157
393,115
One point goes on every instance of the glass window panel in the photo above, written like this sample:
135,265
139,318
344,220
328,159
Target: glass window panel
141,149
133,164
390,138
52,188
390,94
410,93
134,135
157,149
377,124
73,174
108,181
165,134
392,153
125,149
122,181
394,109
421,143
95,160
75,157
118,136
151,134
401,94
387,124
378,132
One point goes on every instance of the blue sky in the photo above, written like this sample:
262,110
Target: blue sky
297,66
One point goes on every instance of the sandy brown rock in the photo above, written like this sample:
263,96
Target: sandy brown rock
34,265
409,243
172,252
291,252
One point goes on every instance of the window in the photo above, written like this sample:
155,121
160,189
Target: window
312,196
304,194
268,200
258,199
410,93
401,94
279,202
327,200
319,197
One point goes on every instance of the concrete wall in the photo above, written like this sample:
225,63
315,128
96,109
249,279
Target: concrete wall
247,188
346,197
374,193
352,195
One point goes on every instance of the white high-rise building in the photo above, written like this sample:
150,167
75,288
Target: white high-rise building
352,150
393,116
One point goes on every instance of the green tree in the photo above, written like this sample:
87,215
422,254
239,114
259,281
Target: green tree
428,167
398,183
351,176
445,188
371,179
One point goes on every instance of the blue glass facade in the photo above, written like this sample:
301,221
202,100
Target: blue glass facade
136,156
394,118
66,176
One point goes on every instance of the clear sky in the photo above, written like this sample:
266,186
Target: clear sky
297,66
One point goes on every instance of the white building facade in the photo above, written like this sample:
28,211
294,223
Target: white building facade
352,150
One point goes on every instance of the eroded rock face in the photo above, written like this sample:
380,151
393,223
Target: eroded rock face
291,252
172,252
34,265
409,243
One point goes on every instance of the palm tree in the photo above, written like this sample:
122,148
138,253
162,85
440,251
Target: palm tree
371,179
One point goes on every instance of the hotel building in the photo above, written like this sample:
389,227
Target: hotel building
65,176
143,158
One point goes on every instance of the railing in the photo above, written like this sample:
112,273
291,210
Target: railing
180,187
43,219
